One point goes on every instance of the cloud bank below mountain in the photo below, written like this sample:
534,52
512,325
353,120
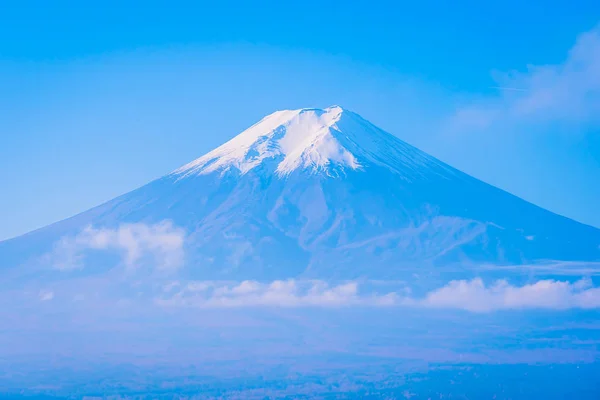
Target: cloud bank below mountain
469,295
476,296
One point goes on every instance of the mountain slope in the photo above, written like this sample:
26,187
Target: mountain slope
323,193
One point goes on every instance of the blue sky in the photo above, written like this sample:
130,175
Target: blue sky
97,101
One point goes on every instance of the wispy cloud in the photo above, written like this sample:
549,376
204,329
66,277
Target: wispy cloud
566,92
162,243
46,295
279,293
513,89
554,268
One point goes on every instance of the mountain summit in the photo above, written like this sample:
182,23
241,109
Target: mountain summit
294,139
314,193
330,140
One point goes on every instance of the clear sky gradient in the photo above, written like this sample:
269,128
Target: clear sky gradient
96,101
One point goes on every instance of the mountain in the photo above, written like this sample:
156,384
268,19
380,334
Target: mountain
312,193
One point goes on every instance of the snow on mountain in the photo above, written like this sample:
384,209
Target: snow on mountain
296,138
332,139
313,193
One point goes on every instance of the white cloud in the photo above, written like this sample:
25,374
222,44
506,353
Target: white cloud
46,295
162,242
279,293
566,92
471,295
475,296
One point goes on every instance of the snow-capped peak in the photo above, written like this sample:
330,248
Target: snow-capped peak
308,139
303,138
